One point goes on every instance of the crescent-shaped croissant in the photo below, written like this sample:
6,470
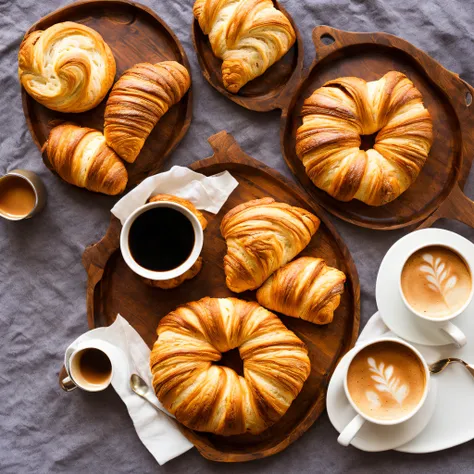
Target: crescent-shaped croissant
208,397
248,35
67,67
337,114
306,288
261,236
141,96
81,157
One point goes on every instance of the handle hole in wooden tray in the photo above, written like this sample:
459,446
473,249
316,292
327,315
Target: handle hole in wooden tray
468,98
327,39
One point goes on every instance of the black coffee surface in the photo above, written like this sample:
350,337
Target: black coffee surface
161,239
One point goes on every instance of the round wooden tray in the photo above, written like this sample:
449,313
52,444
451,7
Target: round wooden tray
447,97
113,288
135,34
272,90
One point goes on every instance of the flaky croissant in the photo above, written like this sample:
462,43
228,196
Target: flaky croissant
81,157
141,96
306,288
337,114
261,236
248,35
208,397
67,67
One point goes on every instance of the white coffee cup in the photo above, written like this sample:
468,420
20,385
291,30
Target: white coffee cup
351,430
72,363
175,272
444,323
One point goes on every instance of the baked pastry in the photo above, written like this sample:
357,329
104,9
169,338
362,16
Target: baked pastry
81,157
337,114
141,96
196,268
67,67
208,397
306,288
261,236
248,35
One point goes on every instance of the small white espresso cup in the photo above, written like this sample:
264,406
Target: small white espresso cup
353,427
76,377
175,272
443,323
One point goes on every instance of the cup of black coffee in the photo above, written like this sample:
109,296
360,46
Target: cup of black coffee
161,240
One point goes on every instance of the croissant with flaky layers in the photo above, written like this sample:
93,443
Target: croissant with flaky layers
306,288
337,114
208,397
248,35
141,96
67,67
261,236
81,157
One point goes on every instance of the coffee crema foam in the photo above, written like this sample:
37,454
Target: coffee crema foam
436,281
386,380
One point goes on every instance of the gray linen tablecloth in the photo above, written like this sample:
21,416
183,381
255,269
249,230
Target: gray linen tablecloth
42,281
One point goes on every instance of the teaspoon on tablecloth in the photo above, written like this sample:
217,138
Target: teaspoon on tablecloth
440,365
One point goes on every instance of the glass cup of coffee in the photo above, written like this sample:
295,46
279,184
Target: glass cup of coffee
436,286
22,195
89,367
386,382
161,240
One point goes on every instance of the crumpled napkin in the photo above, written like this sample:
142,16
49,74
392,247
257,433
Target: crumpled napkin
129,354
208,193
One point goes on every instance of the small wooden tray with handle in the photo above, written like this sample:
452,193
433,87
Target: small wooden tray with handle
438,190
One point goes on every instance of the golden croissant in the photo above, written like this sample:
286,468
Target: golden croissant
261,236
337,114
306,288
141,96
81,157
207,397
248,35
67,67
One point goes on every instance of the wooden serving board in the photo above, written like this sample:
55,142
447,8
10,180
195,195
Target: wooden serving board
438,189
135,34
272,90
113,288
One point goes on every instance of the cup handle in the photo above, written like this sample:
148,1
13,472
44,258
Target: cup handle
349,432
67,384
457,336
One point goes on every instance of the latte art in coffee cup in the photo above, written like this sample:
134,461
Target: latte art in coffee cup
436,282
386,380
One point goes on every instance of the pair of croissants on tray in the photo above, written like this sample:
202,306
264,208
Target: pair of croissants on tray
69,68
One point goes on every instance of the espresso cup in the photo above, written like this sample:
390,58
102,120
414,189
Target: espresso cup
386,382
22,195
161,240
89,367
437,280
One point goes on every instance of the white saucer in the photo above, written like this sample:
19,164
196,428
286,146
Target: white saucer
371,437
392,309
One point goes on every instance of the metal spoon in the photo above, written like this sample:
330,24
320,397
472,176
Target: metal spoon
139,386
440,365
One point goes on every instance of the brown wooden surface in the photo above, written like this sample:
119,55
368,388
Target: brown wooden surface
271,90
135,34
113,288
369,56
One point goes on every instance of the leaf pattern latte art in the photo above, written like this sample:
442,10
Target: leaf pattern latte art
386,382
438,275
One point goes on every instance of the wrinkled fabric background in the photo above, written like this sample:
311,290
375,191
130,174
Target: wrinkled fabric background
42,281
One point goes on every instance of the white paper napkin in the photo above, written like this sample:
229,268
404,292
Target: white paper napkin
156,430
208,193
